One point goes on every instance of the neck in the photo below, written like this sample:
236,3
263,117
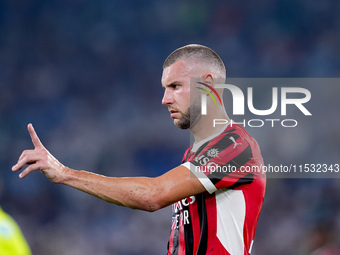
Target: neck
204,126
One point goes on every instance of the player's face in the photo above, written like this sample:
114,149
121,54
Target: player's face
176,84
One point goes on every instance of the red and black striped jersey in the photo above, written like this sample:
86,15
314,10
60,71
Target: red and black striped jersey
223,219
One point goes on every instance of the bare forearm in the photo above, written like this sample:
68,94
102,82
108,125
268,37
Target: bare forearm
143,193
132,192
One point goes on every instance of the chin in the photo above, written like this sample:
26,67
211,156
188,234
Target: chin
181,125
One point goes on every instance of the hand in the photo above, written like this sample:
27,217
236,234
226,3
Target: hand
39,159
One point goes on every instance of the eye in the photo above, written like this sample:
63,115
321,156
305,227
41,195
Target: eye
174,86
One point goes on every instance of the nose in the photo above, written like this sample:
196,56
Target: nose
167,97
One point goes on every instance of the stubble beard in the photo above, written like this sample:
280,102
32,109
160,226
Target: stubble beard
189,117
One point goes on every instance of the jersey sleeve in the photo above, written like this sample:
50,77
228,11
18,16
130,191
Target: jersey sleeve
224,162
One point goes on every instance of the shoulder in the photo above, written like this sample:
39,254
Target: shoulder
231,138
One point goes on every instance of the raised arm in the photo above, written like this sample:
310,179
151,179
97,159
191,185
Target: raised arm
143,193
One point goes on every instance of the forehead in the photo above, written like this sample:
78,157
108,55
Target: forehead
175,72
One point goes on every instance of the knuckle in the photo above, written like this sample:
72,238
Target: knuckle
23,159
25,154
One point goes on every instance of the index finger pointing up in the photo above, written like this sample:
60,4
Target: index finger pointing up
35,139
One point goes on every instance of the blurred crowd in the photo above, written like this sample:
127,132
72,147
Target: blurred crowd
87,75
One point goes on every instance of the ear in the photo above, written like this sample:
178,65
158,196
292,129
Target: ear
209,79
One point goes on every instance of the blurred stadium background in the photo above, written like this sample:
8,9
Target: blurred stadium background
87,75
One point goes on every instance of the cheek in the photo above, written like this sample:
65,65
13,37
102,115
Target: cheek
196,100
184,98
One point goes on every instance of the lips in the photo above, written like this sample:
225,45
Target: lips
173,113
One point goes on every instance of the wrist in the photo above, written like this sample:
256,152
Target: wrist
65,175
